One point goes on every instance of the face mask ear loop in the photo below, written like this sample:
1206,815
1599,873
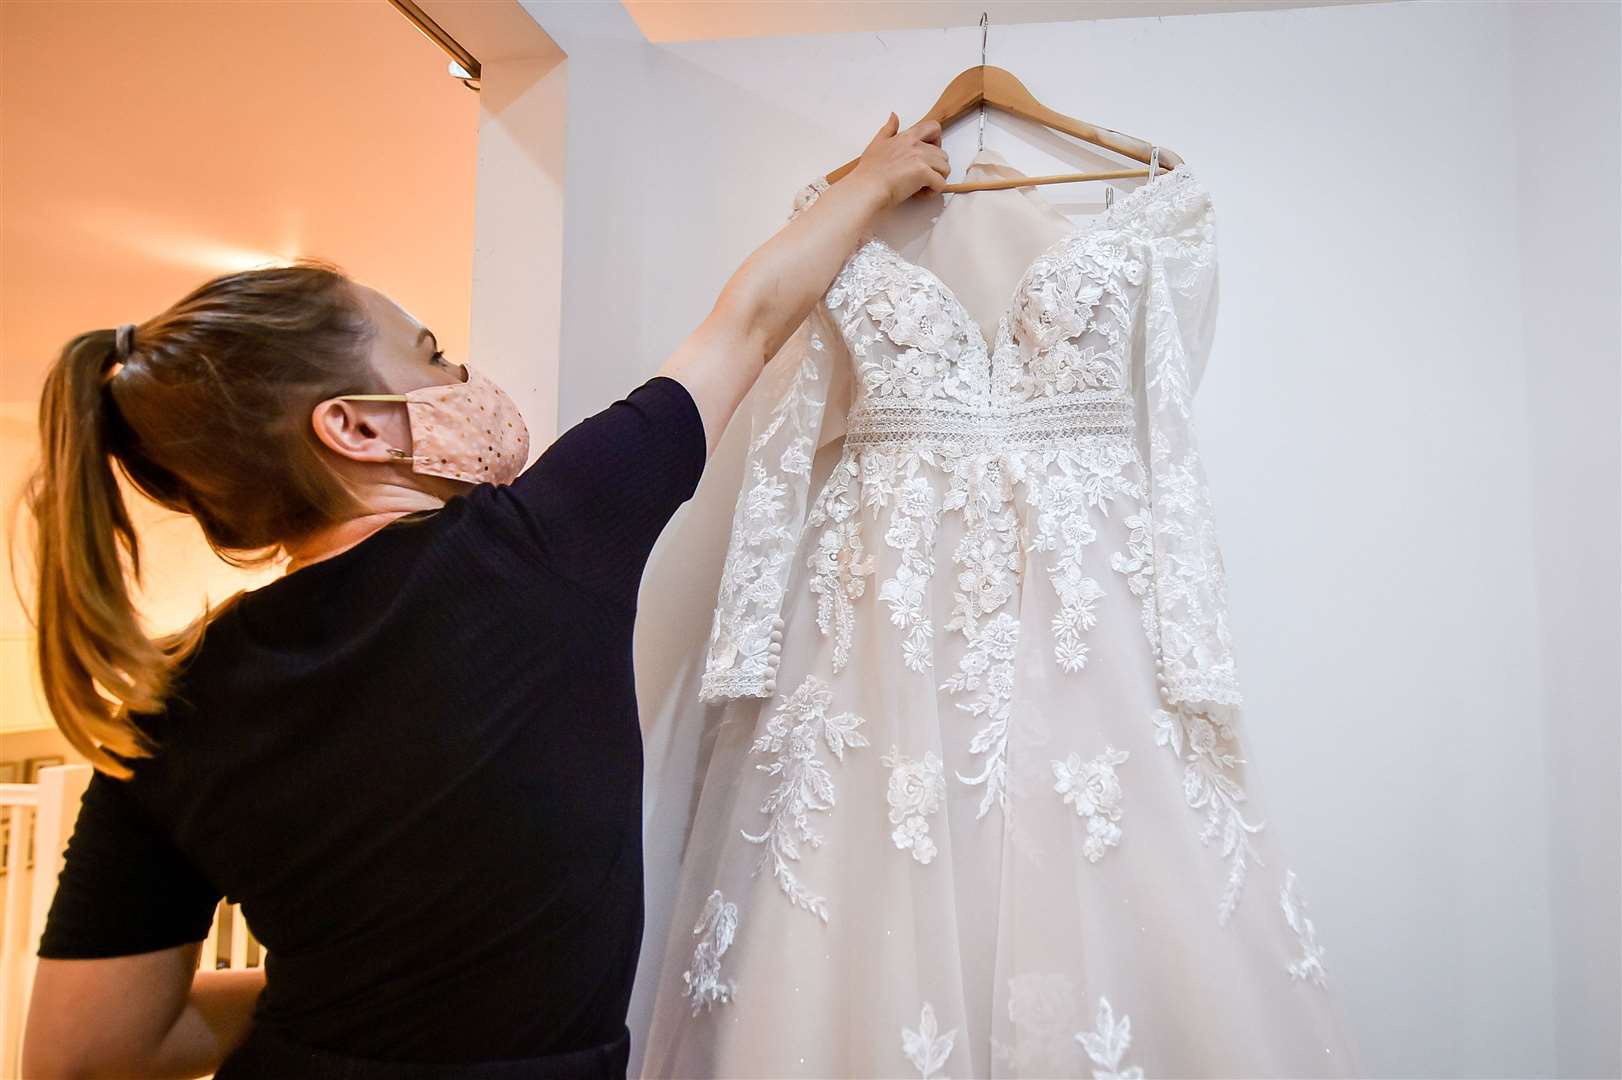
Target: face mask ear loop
394,452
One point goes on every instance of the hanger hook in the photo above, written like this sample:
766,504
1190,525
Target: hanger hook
985,29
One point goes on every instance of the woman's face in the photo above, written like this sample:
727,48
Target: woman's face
365,435
405,354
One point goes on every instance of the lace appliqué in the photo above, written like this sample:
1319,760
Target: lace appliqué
1310,965
1196,647
917,789
926,1048
1108,1044
888,477
804,785
1094,789
1195,642
1198,740
839,564
717,925
1136,563
990,562
1088,477
740,661
910,340
1073,316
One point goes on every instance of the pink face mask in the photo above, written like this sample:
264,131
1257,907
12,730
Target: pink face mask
468,431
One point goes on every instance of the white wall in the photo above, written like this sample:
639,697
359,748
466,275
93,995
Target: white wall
1398,464
1568,98
516,320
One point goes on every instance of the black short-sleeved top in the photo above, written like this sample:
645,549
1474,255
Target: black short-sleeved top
418,767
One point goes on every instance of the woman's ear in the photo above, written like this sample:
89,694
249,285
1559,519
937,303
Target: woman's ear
362,431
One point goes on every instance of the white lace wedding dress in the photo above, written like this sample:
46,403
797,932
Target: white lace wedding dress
976,804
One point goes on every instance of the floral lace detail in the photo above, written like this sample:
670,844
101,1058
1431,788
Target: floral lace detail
990,562
917,790
1074,316
926,1048
1094,789
1198,740
987,667
1190,580
1310,965
1108,1044
1089,476
840,565
899,477
1137,564
717,925
740,660
804,785
909,339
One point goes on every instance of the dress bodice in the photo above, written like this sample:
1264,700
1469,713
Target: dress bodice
1060,363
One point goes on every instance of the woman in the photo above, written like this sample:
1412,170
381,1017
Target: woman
414,759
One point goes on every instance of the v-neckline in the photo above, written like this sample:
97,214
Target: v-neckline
1115,215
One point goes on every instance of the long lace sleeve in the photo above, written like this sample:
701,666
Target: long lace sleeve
787,425
1196,649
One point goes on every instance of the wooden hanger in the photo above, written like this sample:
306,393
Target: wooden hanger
998,88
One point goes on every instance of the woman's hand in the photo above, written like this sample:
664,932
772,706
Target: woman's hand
776,287
902,163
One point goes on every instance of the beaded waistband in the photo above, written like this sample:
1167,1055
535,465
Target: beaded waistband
1029,424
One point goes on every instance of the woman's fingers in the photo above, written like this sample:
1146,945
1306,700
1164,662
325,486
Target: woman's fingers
927,136
928,131
903,163
886,130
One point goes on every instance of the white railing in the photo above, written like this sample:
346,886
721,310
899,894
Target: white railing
234,951
39,820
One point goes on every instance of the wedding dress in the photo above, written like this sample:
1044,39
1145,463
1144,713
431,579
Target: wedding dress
976,803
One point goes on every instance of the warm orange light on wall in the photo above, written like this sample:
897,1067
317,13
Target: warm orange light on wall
127,183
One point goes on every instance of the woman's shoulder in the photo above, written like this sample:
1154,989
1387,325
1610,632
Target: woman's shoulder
592,504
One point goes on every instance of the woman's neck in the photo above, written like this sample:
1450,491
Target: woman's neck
379,505
340,536
337,538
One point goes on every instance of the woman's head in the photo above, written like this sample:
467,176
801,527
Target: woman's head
223,407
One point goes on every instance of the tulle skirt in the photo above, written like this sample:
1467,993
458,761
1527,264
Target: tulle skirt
965,836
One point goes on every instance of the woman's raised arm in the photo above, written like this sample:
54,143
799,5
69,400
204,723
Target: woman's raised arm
774,289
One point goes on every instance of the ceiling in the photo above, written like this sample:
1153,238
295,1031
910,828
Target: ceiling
701,20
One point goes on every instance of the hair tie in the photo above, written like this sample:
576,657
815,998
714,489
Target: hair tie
124,341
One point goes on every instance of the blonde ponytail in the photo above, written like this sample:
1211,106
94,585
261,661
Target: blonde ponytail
96,663
204,409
